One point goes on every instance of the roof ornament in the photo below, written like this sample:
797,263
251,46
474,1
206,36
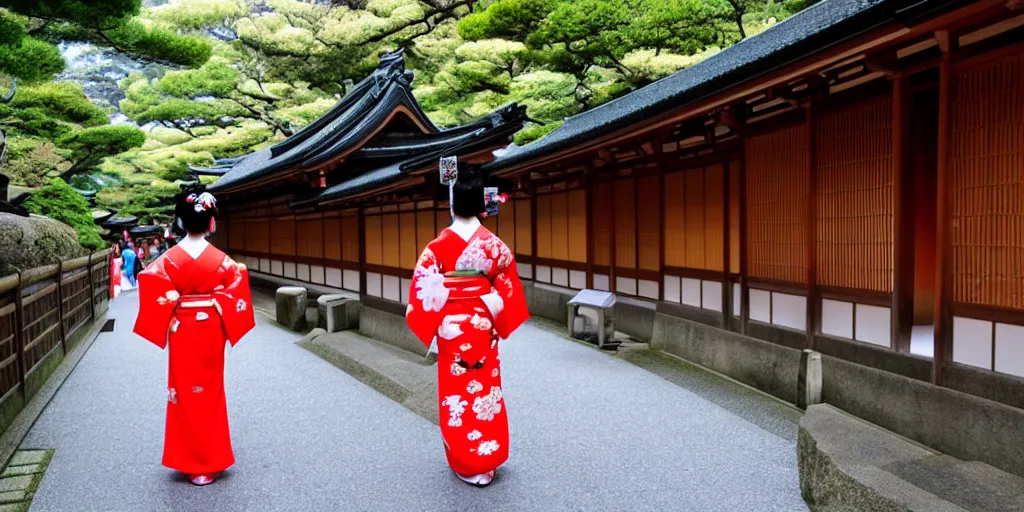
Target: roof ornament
391,64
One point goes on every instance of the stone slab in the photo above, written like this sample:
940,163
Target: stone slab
395,373
15,483
24,457
13,496
849,464
337,312
22,470
391,329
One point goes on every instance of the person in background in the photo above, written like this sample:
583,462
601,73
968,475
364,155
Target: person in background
140,250
115,270
154,250
192,300
128,261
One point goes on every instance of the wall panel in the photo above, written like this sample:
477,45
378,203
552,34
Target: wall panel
777,165
390,247
625,224
714,217
407,240
853,159
506,220
524,227
425,229
675,228
544,226
649,222
374,240
332,238
282,236
987,184
602,218
577,215
734,216
310,238
350,238
559,226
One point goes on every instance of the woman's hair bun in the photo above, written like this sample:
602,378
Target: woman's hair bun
195,210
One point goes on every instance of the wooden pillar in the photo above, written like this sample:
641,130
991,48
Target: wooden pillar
726,246
589,184
92,303
812,230
362,254
19,332
60,300
614,232
533,230
744,289
903,218
943,318
660,148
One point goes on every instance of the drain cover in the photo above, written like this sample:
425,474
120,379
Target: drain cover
108,326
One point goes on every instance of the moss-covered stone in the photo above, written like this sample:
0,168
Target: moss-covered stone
29,242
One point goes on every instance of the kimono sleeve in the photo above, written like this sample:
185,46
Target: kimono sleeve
507,285
234,301
427,297
157,300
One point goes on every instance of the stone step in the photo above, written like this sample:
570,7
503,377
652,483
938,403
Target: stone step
404,377
849,464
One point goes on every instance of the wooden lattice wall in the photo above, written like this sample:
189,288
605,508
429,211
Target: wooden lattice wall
561,225
853,161
777,182
987,184
601,216
694,217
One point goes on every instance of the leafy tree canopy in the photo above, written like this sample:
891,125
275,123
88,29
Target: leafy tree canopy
61,202
91,145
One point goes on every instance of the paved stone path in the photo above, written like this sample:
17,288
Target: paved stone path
589,432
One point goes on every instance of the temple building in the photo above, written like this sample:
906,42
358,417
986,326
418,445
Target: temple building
850,180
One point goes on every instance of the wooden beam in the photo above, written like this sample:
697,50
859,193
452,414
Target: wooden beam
726,245
812,229
903,217
943,320
744,290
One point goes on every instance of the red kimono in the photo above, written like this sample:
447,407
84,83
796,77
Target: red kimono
468,315
194,305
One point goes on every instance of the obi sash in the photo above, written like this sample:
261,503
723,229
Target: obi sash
467,286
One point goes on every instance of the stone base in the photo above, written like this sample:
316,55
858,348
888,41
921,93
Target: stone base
849,464
337,312
291,307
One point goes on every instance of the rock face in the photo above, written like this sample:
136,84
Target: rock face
29,242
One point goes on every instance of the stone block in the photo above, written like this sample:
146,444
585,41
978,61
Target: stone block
13,496
771,368
15,483
291,307
809,381
391,329
337,312
24,457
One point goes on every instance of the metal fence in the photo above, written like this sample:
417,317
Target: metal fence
44,309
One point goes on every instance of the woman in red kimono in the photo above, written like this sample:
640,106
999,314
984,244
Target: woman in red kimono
465,291
193,298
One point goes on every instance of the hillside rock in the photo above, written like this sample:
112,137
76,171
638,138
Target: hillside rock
28,242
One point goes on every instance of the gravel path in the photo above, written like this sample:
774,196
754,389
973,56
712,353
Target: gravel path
589,432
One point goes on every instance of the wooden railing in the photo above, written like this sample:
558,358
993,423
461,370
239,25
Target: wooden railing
46,309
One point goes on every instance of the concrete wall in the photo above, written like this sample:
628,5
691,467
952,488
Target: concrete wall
908,365
955,423
548,301
389,328
1000,387
771,368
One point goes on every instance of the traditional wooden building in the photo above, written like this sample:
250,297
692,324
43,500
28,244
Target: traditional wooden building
851,180
350,200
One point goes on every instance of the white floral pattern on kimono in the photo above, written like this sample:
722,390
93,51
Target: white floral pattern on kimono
456,406
474,387
488,405
449,328
487,447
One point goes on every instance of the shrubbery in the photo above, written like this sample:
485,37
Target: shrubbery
60,202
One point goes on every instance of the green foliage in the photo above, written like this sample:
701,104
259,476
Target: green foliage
213,79
197,14
91,145
11,30
33,61
160,43
32,161
511,19
60,202
87,12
